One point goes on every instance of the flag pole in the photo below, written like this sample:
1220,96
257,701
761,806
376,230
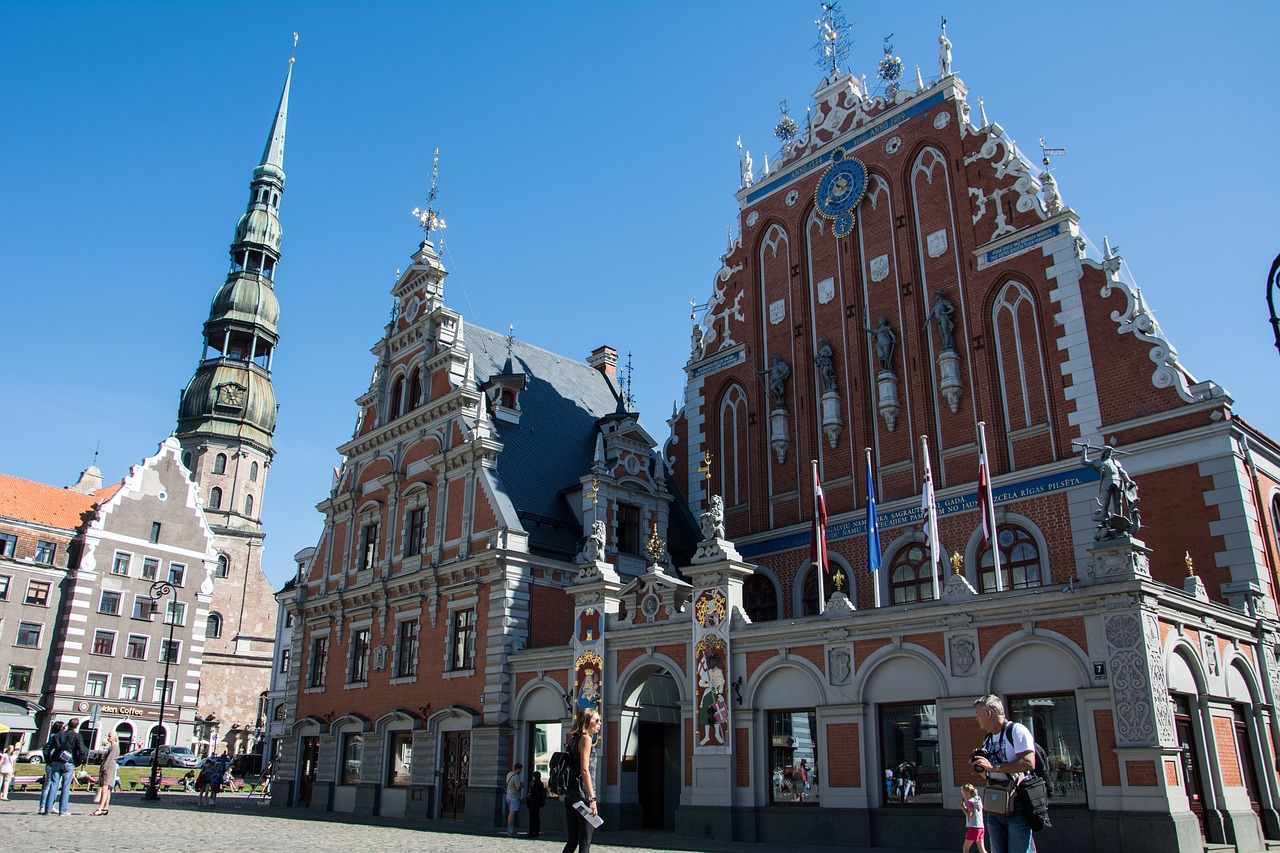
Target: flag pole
819,543
873,534
986,499
930,507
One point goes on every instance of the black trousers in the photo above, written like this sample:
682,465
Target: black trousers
535,820
579,830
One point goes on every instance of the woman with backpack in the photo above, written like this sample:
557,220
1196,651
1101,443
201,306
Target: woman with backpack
586,725
68,752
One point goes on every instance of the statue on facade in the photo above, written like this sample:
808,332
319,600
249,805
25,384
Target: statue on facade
884,340
940,314
696,344
748,177
944,54
712,521
778,371
1117,502
593,548
826,366
1052,199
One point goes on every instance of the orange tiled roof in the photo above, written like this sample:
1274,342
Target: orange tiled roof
24,500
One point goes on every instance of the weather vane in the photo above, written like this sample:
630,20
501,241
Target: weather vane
704,467
511,339
832,47
1046,152
295,48
430,218
890,70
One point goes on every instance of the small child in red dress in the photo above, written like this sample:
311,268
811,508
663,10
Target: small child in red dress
973,829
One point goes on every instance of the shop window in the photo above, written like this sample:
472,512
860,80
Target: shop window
352,756
909,576
909,753
1055,725
545,740
760,598
793,754
1020,565
401,759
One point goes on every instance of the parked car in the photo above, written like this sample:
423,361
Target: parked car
170,756
35,756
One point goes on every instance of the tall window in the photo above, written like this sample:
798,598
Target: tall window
248,505
4,587
45,552
104,642
29,635
1019,561
120,566
137,647
464,639
368,545
284,661
407,649
215,498
130,688
213,626
909,578
415,389
319,661
38,593
793,754
359,655
253,472
220,463
224,567
415,534
19,679
760,598
150,568
629,539
95,685
1055,725
352,756
397,392
401,763
809,593
909,748
109,603
155,532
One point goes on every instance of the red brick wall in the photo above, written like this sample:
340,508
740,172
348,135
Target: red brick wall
742,757
1224,733
1105,730
1171,772
933,642
1141,774
965,738
550,617
844,756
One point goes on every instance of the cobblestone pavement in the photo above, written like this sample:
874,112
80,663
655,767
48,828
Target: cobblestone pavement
242,824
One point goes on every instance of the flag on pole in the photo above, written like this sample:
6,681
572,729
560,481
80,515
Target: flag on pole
873,532
818,539
929,507
987,505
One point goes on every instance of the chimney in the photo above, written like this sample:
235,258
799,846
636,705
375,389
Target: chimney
605,360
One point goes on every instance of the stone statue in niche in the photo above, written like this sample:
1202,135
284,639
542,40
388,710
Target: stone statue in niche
777,374
826,365
593,548
884,340
940,315
712,521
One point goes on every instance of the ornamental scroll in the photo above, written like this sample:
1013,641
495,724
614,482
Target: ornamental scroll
711,672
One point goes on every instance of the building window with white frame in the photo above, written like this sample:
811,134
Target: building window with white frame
164,688
407,649
142,607
175,613
29,635
177,574
19,679
170,651
150,568
359,669
95,685
38,593
120,565
136,648
463,639
109,603
224,567
104,643
131,688
213,626
5,580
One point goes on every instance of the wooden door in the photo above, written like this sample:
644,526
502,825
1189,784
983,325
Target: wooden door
308,759
455,772
1190,756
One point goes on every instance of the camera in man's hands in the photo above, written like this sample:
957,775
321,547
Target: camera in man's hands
990,756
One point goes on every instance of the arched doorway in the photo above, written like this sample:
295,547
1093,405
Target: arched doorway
650,749
124,737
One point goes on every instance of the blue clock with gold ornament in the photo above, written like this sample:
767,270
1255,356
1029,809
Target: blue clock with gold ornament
840,189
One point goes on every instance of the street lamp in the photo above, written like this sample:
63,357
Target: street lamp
158,589
1273,284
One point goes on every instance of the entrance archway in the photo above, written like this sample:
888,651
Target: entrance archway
124,737
650,748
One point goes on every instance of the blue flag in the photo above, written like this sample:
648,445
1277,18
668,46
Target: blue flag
873,525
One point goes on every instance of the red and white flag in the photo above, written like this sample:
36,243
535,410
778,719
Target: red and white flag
818,537
987,505
929,508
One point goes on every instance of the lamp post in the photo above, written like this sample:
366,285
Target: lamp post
158,589
1273,284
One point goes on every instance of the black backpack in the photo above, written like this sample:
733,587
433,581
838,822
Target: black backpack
560,773
1042,760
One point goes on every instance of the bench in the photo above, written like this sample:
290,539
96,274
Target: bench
24,782
166,782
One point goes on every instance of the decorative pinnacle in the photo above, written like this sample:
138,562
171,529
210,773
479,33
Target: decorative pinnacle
890,70
594,494
786,129
1191,570
839,579
511,339
1046,152
430,219
704,467
832,47
657,548
957,562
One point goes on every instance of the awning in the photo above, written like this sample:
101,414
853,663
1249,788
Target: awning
18,722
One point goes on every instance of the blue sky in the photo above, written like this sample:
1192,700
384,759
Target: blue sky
587,171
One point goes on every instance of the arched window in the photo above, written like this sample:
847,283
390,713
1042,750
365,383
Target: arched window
248,505
760,598
733,453
186,461
253,472
224,567
215,498
909,578
809,593
1275,519
1020,566
397,394
220,463
213,626
415,389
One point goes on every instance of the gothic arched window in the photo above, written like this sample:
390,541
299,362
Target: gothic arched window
213,626
760,598
909,578
415,389
253,473
215,498
397,393
248,505
733,453
1020,564
220,463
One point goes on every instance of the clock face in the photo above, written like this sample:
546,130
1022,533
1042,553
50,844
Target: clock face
231,395
841,188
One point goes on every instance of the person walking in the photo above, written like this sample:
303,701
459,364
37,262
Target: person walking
47,794
971,805
514,786
8,765
586,725
107,774
1013,754
68,753
537,799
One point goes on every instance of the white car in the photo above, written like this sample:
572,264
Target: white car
170,756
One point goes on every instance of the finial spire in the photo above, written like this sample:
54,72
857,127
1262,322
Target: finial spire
1046,152
273,154
982,111
833,45
429,218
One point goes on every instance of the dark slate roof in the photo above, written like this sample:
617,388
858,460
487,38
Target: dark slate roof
554,442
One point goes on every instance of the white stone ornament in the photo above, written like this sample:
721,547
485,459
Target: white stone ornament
752,218
826,290
777,311
941,120
892,146
792,198
937,243
880,268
